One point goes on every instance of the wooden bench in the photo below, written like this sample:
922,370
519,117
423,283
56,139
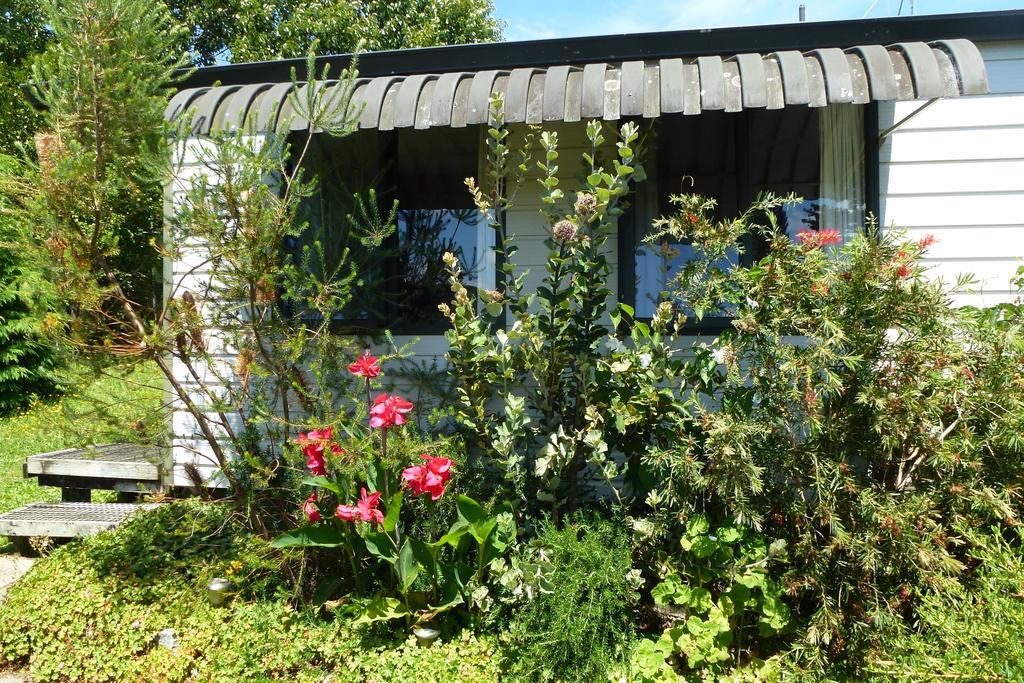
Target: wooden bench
129,469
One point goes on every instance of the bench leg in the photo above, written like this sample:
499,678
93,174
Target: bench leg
22,546
76,495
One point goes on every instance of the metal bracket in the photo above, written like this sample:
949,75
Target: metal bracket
885,133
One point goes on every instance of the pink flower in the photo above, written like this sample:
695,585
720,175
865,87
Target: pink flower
388,411
816,239
365,366
315,461
310,510
365,509
313,443
429,478
926,241
316,435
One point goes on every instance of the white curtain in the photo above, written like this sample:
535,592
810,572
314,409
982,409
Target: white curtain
842,169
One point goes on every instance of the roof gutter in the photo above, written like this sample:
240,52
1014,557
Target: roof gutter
977,27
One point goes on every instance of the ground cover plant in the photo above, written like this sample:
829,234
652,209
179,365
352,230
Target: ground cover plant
120,590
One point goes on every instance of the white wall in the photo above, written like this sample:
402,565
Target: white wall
956,171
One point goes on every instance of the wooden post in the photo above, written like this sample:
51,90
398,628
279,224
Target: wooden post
68,495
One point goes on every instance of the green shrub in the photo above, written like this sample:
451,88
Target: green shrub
90,611
848,409
967,633
581,628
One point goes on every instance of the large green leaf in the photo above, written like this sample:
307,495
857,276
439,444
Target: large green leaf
504,535
408,568
458,529
323,483
424,555
393,509
471,512
381,608
320,535
380,545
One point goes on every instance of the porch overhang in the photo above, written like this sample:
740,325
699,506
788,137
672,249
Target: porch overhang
615,90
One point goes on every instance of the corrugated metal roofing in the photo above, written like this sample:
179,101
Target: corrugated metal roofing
860,74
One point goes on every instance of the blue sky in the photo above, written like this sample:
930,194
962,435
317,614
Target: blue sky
530,19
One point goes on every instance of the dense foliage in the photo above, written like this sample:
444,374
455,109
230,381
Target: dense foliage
584,624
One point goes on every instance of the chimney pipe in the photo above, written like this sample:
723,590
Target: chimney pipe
803,12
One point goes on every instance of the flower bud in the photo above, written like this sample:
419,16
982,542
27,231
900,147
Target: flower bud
586,205
565,230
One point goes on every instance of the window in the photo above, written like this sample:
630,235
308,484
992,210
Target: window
404,280
731,157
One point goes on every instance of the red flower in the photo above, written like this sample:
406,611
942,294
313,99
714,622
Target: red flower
365,509
816,239
313,443
315,461
926,241
365,366
388,411
310,510
903,264
429,478
316,435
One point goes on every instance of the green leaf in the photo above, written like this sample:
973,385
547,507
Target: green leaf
393,509
424,556
321,535
408,568
703,547
700,599
381,609
380,545
321,482
458,529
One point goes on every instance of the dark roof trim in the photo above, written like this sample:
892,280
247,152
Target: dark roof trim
977,27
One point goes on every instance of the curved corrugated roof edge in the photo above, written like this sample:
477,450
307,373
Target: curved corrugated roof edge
610,91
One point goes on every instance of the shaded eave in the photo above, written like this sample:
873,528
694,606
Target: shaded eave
977,27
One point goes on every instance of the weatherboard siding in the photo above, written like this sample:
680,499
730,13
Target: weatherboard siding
956,171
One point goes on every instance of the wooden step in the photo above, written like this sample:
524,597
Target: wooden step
66,520
118,466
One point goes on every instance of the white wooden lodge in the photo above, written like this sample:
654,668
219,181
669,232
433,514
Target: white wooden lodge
918,121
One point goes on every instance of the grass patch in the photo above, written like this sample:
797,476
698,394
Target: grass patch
121,406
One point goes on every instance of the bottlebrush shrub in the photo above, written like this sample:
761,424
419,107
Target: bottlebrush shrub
356,506
850,410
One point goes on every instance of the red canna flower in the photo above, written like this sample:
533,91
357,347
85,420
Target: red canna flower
315,460
313,444
310,510
365,509
429,478
346,513
365,366
388,411
816,239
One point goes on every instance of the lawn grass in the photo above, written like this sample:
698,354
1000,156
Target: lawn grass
122,405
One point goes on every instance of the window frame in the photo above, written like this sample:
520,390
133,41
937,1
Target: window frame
745,195
379,325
